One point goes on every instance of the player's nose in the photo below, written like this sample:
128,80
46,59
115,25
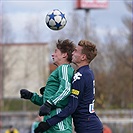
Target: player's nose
73,53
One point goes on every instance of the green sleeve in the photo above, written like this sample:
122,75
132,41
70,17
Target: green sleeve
36,99
65,75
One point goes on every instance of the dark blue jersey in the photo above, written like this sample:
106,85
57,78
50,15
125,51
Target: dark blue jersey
81,104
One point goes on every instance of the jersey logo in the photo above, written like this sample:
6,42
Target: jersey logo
76,76
75,92
91,107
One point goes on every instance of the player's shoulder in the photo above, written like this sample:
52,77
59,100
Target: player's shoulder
86,71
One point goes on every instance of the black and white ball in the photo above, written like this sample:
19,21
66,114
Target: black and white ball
56,20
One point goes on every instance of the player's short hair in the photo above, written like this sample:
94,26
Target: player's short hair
89,49
66,46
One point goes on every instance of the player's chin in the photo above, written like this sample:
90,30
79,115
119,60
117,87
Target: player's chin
73,59
55,62
73,62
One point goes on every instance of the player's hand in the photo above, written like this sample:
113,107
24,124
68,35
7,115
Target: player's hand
26,94
45,109
42,90
42,126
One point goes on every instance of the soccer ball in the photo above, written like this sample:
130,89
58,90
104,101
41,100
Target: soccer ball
56,20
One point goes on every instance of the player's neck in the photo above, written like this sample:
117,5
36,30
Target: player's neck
63,62
82,64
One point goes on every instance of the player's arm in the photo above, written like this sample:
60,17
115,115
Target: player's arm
74,99
68,110
63,92
33,97
65,77
37,99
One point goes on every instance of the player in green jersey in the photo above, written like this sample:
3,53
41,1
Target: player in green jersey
57,89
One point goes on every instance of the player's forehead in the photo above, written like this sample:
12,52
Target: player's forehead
57,50
78,48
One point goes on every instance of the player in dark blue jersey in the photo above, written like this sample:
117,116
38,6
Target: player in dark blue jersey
81,100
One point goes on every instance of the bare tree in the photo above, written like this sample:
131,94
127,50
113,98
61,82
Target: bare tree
32,30
115,85
7,32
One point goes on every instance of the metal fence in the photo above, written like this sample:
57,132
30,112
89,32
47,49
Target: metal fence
119,121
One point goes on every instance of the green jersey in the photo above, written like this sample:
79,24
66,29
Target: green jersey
57,90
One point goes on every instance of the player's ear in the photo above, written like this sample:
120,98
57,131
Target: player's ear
64,55
83,57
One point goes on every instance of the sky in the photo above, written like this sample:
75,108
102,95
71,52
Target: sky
20,11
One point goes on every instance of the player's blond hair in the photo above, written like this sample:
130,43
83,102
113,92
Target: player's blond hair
89,49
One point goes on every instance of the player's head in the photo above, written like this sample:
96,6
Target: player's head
63,51
85,52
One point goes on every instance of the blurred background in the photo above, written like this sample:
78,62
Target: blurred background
26,45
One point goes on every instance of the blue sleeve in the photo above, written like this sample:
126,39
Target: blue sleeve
68,110
74,98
